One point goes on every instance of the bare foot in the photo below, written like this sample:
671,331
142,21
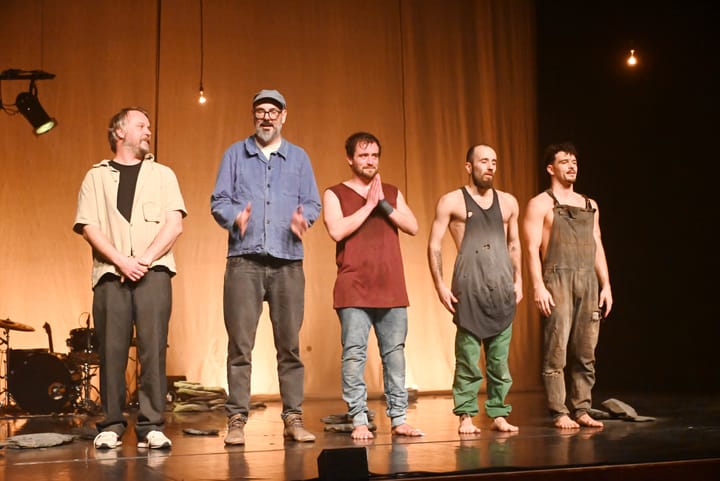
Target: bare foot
501,424
467,426
588,422
564,422
361,432
406,430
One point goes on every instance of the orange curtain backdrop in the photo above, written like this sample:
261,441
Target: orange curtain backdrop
429,78
44,266
469,78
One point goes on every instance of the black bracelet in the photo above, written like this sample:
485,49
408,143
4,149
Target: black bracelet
385,207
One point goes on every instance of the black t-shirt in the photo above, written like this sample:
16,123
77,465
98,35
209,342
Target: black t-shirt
126,189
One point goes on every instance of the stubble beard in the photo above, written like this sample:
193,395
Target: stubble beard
141,149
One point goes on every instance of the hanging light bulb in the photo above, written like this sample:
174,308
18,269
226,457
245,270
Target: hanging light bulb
632,61
202,99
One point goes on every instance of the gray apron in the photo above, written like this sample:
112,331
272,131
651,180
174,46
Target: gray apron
483,274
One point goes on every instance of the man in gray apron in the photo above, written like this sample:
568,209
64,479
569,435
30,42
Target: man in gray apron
486,286
571,286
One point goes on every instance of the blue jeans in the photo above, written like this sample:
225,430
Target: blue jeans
250,280
391,331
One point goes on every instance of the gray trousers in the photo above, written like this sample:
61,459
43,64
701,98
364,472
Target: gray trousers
117,307
249,281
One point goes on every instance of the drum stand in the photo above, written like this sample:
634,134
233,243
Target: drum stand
84,401
6,325
4,348
7,405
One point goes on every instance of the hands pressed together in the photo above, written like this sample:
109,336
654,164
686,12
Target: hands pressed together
375,193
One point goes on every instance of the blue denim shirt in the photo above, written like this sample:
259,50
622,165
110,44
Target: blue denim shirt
275,187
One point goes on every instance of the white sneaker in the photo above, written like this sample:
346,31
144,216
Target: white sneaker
155,440
107,440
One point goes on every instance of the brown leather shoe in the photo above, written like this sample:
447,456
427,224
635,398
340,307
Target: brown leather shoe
295,429
236,430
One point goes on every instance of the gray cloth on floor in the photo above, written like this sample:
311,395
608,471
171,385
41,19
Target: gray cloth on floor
624,411
344,418
36,440
342,423
599,414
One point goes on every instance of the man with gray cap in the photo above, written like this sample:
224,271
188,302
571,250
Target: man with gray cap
266,197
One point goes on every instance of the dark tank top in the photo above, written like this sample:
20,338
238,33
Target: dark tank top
483,274
370,269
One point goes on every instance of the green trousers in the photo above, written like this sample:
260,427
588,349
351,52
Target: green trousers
469,376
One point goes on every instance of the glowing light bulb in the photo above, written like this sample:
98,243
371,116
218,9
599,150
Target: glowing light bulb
632,61
202,99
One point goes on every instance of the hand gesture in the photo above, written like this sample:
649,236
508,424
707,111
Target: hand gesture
298,224
375,193
242,219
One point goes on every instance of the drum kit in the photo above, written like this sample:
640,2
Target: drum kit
41,381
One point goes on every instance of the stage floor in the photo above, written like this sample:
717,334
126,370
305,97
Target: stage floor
685,437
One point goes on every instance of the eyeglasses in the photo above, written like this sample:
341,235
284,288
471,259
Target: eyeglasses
273,114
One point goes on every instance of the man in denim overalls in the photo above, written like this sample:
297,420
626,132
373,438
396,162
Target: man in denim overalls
571,286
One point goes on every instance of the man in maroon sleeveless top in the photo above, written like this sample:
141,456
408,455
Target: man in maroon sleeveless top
363,216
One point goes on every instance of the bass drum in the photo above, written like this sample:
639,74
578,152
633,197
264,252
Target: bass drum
39,381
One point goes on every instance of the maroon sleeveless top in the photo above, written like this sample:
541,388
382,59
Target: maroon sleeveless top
370,269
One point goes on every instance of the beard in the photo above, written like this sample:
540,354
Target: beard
480,182
141,149
144,149
267,136
365,172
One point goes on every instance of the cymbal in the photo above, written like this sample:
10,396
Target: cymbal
15,326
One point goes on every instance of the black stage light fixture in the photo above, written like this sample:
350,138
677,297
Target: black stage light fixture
27,103
29,106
